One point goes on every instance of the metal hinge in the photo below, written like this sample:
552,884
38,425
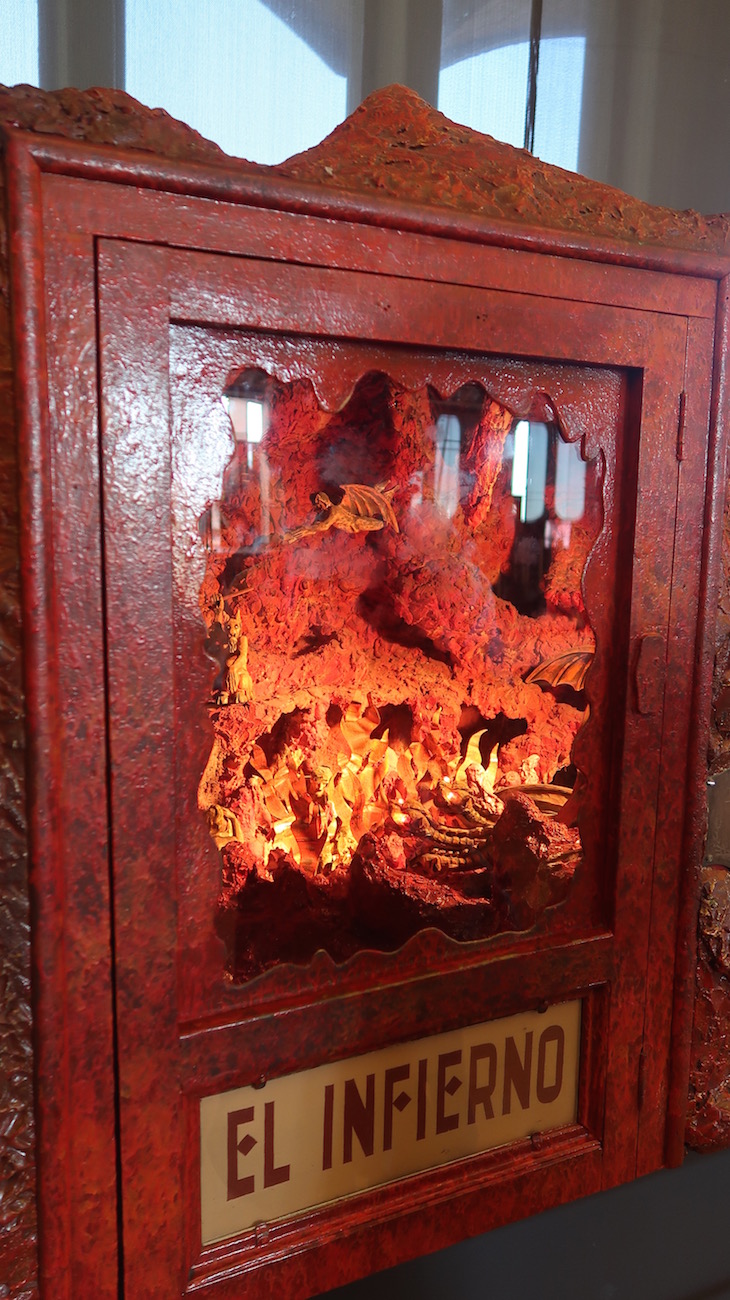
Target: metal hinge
680,425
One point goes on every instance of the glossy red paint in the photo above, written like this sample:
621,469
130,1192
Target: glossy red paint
18,1263
138,287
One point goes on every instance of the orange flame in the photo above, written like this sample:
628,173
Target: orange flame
319,814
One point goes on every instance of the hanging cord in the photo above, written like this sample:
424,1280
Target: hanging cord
530,106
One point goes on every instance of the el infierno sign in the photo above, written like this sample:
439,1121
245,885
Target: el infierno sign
341,1128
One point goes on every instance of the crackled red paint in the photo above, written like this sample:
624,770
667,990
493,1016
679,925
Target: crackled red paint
397,146
404,244
17,1183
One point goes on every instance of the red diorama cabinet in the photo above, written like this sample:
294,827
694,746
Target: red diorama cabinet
368,545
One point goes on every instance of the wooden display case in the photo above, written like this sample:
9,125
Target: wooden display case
366,768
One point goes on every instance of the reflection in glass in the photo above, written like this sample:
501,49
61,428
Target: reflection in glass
447,447
548,483
570,482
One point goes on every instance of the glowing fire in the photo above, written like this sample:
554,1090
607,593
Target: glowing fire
317,815
402,645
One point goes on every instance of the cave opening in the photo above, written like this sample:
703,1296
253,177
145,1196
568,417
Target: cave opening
393,597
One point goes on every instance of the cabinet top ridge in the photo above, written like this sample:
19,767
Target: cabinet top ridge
396,148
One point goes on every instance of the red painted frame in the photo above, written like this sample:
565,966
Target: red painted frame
653,321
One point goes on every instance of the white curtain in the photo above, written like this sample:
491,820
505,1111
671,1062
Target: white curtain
632,92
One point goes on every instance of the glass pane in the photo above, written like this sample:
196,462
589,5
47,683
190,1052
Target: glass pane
261,85
19,42
533,506
570,483
394,607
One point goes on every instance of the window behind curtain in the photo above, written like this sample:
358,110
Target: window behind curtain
239,73
485,51
485,55
268,78
18,42
559,100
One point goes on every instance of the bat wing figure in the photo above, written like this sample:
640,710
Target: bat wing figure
362,509
564,670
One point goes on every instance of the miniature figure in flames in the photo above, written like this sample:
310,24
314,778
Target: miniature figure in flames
394,749
362,510
237,685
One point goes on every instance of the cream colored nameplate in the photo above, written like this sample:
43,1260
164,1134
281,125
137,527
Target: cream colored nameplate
354,1124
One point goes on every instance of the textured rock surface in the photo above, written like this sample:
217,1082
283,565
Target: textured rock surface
709,1099
106,117
719,755
434,161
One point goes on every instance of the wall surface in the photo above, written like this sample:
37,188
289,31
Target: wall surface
662,1238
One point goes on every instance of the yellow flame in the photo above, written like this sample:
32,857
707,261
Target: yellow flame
319,815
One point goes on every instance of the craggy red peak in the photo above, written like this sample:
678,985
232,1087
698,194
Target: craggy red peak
397,145
394,145
104,116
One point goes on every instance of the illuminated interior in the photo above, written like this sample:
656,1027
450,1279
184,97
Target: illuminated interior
393,602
